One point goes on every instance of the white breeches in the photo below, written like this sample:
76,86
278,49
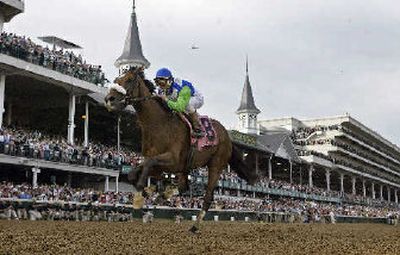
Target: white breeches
195,102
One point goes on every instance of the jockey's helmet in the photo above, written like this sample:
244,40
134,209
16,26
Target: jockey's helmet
164,73
163,78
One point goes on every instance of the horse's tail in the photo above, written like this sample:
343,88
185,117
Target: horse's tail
241,167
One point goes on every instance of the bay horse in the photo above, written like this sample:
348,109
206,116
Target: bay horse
166,140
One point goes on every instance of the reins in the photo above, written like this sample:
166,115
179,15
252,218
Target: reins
140,99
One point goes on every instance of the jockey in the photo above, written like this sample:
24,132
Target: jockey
181,96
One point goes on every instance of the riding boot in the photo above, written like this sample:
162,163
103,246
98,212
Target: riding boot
194,119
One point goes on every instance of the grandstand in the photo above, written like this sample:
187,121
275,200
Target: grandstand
337,154
47,96
352,158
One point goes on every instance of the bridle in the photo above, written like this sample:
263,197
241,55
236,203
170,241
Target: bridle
128,96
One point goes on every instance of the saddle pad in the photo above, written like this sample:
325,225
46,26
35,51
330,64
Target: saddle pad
210,139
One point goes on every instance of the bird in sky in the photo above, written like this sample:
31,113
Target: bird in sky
195,47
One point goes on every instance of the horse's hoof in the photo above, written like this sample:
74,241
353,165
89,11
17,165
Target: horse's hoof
138,200
194,230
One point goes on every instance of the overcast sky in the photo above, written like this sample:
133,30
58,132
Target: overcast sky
308,58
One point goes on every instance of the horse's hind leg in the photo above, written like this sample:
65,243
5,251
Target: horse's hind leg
134,175
213,176
183,183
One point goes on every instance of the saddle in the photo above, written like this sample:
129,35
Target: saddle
210,139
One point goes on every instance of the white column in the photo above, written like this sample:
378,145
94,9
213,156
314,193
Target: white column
381,187
35,172
396,197
107,184
388,193
1,21
118,133
341,182
71,119
117,184
148,181
86,134
373,190
353,185
328,179
270,168
364,188
310,180
2,96
291,171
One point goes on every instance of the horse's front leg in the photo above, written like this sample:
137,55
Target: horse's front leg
164,159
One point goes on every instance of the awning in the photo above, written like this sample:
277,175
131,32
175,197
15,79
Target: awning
56,41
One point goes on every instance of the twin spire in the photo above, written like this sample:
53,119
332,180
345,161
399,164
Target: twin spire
247,103
132,54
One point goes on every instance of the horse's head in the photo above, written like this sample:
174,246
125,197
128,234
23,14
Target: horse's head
125,90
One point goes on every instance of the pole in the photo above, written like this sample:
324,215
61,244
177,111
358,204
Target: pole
118,133
86,138
2,96
71,119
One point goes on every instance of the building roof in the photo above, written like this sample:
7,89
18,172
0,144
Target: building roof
277,143
56,41
132,53
247,103
249,141
280,144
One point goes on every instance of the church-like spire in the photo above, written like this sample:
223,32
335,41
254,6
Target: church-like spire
247,65
247,103
132,54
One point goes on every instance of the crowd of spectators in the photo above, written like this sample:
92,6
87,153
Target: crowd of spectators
376,162
305,132
345,146
299,138
33,144
314,153
280,185
312,142
54,202
362,153
54,193
392,155
304,189
63,61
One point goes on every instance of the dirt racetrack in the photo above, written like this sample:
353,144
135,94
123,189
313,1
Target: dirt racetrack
166,237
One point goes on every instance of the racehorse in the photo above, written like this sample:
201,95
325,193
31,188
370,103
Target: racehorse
166,140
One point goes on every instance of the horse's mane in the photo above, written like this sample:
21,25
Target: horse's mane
152,89
150,86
